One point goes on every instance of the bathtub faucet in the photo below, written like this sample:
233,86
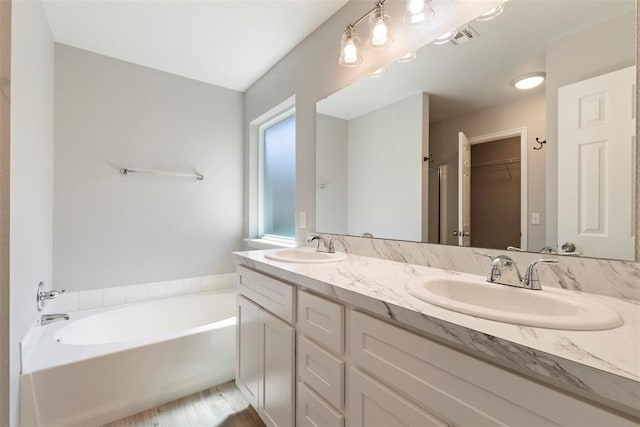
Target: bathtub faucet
45,319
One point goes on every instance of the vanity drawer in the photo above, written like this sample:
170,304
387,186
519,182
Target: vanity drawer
323,371
461,388
314,412
322,321
273,295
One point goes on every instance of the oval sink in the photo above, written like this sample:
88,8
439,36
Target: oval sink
548,308
304,255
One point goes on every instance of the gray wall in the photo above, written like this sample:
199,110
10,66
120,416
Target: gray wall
111,229
528,112
311,72
331,170
31,188
385,171
598,50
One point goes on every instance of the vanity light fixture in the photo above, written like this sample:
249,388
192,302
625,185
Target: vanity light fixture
418,13
491,13
378,73
407,58
528,81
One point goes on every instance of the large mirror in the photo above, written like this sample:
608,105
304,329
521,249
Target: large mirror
446,149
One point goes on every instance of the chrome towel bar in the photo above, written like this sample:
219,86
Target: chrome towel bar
127,171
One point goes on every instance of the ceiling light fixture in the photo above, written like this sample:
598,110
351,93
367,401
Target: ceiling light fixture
418,12
491,13
408,57
528,81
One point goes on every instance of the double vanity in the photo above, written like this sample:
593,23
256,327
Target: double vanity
326,339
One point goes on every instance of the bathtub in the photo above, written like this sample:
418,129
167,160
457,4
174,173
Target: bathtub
106,364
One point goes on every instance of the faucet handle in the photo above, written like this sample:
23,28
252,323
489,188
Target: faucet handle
531,279
491,257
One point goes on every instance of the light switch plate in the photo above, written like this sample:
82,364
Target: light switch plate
535,218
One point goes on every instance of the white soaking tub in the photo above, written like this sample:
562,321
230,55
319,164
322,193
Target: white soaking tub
106,364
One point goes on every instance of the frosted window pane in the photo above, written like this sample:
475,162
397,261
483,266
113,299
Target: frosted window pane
279,177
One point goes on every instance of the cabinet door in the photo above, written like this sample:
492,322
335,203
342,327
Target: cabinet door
277,371
247,346
375,405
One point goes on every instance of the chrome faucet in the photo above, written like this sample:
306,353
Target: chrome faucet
43,296
45,319
502,264
328,245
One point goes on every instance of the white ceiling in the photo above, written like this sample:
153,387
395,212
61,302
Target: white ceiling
478,74
229,43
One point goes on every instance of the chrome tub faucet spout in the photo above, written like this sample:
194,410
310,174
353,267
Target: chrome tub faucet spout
45,319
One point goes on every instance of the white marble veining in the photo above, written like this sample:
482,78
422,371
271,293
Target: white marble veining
618,279
604,365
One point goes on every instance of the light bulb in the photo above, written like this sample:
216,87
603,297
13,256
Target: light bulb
418,13
380,33
350,48
415,6
350,52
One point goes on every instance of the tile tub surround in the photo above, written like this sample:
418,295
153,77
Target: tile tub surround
599,365
618,279
117,295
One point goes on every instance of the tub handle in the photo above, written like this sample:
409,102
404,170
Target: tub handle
42,296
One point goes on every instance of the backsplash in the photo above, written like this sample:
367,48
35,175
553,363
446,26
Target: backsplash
619,279
96,298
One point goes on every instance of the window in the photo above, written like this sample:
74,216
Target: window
277,177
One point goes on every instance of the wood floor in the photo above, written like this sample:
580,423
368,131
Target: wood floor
222,406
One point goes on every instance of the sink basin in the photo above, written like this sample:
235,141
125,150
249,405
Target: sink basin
304,255
549,308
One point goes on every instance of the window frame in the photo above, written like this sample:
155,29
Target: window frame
273,120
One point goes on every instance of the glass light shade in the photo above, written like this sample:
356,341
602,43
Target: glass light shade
446,37
379,36
491,13
350,49
377,73
418,13
529,81
408,57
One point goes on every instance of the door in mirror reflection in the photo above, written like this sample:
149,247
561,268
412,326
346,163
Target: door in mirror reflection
596,155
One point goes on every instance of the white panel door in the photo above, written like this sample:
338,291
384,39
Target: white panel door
277,371
596,146
247,350
464,190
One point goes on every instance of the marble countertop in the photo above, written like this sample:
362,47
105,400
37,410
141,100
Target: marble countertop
603,365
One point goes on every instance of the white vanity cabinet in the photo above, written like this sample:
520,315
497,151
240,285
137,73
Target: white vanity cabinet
265,345
354,369
394,369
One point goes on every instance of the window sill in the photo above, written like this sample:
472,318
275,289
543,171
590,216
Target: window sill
268,244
